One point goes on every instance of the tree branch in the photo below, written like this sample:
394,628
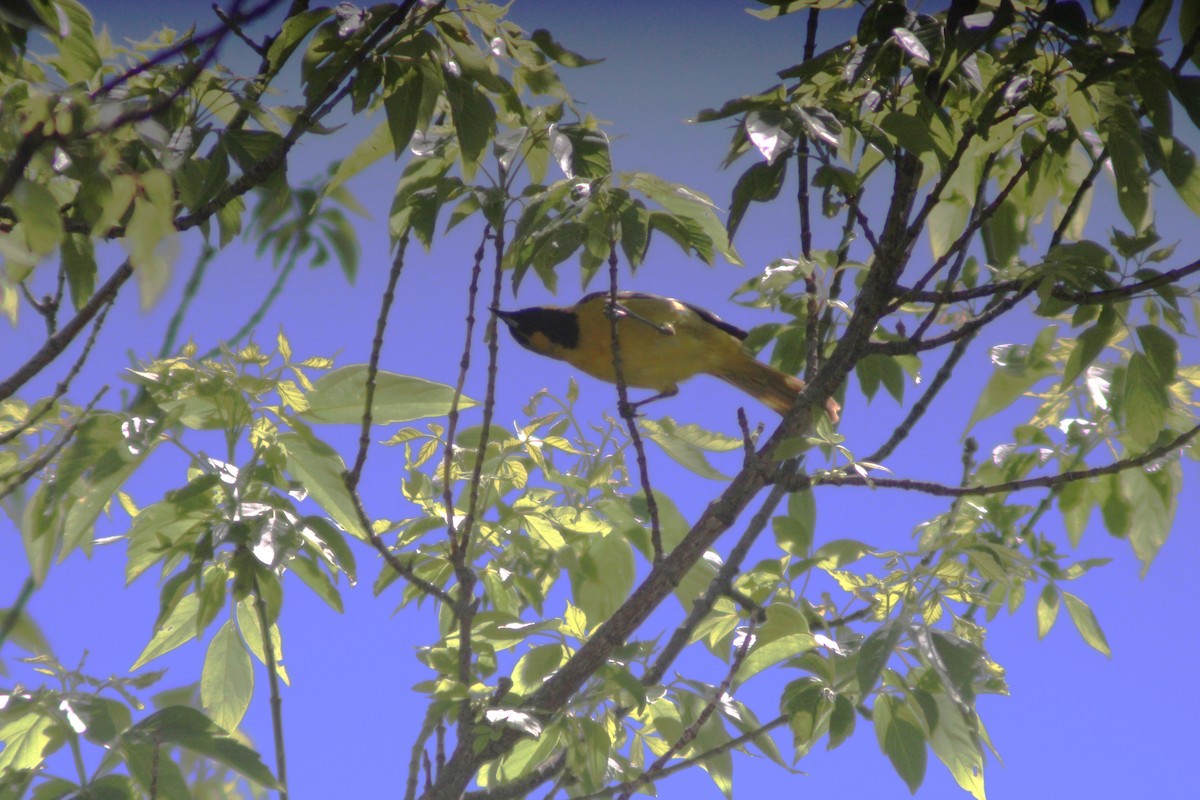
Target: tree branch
1048,481
967,329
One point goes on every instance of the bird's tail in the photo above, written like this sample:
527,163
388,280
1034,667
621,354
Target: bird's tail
777,390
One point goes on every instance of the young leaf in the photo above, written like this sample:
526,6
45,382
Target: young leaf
337,397
227,680
1047,609
319,469
785,634
1086,624
177,629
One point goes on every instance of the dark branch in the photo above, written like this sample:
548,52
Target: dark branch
1044,482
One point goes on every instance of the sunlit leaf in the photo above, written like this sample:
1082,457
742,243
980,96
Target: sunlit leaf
227,679
1086,624
340,397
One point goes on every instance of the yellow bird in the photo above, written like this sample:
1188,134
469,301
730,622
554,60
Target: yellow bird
662,341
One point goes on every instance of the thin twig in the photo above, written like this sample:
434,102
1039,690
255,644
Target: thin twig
717,588
39,463
236,27
629,412
385,308
63,385
1081,191
276,698
1101,297
190,290
968,328
1027,162
689,735
432,716
464,365
1047,481
699,758
54,345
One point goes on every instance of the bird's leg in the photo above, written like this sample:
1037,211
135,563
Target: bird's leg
618,310
631,409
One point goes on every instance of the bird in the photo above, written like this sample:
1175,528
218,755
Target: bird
662,341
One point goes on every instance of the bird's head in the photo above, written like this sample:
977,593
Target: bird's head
543,329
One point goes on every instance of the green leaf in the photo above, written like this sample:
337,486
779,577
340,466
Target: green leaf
874,654
955,741
537,664
705,233
1144,401
1086,624
1161,350
582,151
192,730
403,106
78,59
604,577
1016,373
319,469
1089,345
1151,17
785,634
545,42
874,370
474,121
329,543
306,569
839,553
37,211
177,629
947,222
79,261
339,397
1047,609
808,704
152,244
841,721
794,532
910,133
1181,169
143,757
1152,496
957,662
227,680
1121,133
686,444
28,734
901,740
375,146
105,719
758,184
294,30
251,628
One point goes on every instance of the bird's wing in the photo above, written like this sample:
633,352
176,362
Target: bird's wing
703,313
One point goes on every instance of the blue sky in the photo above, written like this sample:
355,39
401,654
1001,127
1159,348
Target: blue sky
1076,725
